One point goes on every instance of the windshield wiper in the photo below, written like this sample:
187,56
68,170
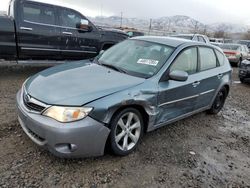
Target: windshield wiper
113,67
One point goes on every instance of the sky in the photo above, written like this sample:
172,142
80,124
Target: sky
206,11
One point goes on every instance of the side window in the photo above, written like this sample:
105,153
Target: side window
207,58
11,9
70,18
38,13
220,57
187,61
201,39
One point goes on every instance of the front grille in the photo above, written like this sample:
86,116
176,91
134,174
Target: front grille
34,107
32,104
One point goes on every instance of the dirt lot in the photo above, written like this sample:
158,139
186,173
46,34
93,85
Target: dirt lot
201,151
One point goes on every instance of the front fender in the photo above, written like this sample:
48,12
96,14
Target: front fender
105,108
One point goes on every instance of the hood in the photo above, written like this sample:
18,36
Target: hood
78,83
112,31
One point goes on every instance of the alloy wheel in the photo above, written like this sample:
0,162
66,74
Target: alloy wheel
127,131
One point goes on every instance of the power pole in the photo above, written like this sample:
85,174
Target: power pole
121,19
150,27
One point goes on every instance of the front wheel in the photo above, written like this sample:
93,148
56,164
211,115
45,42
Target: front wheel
126,131
219,101
242,80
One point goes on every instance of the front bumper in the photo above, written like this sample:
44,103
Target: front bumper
84,138
244,71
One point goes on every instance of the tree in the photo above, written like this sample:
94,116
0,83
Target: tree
219,34
195,26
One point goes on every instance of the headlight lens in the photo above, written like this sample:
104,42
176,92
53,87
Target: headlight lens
67,114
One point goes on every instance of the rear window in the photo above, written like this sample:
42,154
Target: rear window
38,13
220,57
207,59
183,37
230,47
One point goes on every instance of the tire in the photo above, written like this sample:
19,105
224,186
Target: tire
242,80
218,102
126,131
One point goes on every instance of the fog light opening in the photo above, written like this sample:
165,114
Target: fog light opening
66,148
72,147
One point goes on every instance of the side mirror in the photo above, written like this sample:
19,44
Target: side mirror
130,34
84,25
100,54
177,75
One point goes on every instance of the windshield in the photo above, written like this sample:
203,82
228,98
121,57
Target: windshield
138,58
229,47
245,43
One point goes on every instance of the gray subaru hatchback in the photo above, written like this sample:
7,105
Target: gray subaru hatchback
137,86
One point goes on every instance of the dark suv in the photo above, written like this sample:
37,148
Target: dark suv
244,70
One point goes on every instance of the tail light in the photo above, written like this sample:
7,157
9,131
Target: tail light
231,53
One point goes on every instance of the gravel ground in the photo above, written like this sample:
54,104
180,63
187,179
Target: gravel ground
201,151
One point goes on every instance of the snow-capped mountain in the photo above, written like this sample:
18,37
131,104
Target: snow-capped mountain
178,23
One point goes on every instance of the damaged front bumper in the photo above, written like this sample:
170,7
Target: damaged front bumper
84,138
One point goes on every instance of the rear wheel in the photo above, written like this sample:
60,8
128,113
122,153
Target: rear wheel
219,101
126,131
239,62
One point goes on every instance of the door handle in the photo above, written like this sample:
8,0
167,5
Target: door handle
26,28
195,84
67,33
219,76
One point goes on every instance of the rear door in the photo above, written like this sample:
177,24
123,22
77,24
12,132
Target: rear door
77,43
210,74
178,98
38,35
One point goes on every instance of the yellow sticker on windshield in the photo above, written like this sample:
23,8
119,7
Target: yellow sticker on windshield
148,62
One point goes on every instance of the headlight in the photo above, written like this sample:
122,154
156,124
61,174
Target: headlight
67,114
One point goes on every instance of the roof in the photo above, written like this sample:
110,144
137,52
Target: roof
169,41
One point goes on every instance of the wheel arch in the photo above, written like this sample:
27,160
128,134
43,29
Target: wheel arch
227,88
225,85
141,109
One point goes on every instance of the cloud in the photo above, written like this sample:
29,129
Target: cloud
206,11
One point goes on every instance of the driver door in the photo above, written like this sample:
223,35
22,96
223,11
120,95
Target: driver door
69,34
177,98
